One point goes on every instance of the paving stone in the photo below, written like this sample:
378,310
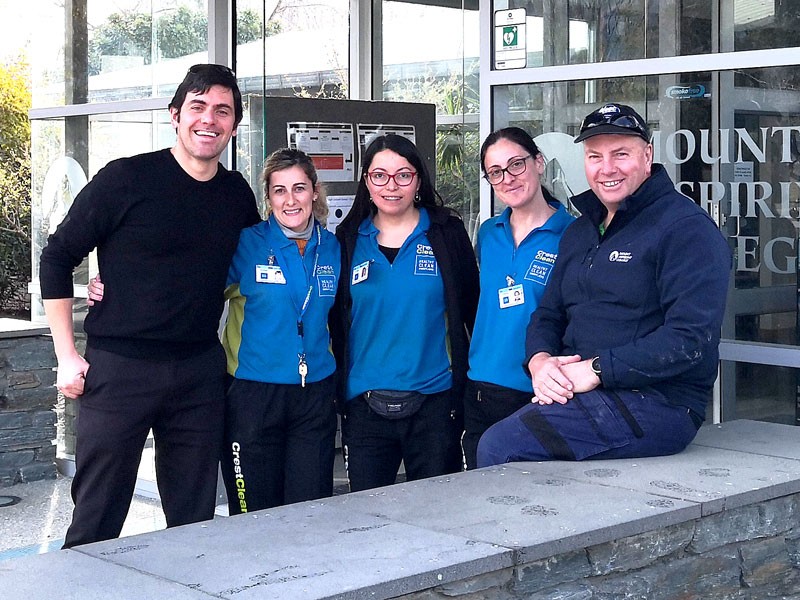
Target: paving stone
716,478
539,514
481,583
14,459
766,519
14,420
550,572
308,550
637,551
713,575
71,575
765,562
31,353
757,437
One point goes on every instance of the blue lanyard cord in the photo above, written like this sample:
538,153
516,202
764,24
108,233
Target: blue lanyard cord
304,308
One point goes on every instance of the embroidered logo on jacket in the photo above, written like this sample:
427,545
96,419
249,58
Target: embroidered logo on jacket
540,267
425,263
620,257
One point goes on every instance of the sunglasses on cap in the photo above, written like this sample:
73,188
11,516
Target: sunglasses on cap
613,118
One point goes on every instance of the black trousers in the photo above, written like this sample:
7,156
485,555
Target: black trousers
427,442
123,399
279,443
484,405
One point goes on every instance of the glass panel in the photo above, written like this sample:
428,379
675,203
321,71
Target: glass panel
66,152
734,149
443,71
589,31
119,50
306,48
764,393
249,73
762,25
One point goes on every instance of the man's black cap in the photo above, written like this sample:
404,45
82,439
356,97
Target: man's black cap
615,119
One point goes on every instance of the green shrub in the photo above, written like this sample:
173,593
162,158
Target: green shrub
15,188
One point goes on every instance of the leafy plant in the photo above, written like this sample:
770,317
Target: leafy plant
15,187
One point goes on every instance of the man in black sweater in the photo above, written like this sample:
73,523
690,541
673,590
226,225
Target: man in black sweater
165,225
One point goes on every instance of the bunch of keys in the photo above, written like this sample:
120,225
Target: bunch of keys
302,369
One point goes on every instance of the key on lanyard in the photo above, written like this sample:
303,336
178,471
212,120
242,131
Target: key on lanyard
302,369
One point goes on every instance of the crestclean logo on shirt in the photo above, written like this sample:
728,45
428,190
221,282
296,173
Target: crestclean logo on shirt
620,257
425,263
540,267
326,280
548,257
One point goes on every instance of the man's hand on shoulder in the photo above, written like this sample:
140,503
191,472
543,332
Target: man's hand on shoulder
550,380
71,375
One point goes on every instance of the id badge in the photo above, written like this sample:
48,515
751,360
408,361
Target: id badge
511,296
360,273
269,274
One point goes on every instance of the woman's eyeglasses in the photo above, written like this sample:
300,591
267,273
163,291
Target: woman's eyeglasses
403,178
516,167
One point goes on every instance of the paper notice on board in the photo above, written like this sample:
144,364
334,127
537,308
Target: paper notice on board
339,207
330,146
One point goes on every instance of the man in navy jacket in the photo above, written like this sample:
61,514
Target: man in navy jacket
623,349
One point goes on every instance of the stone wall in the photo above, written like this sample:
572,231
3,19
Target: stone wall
747,553
27,403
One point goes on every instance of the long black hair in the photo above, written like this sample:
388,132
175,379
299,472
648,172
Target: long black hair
520,137
362,205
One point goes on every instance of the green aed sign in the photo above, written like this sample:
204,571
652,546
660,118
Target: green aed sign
510,36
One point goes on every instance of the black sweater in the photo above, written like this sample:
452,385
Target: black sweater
164,243
456,258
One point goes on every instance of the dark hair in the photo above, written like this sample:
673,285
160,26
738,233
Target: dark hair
512,134
362,206
200,78
286,158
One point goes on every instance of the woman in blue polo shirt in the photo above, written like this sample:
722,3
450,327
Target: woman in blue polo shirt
280,418
406,304
516,251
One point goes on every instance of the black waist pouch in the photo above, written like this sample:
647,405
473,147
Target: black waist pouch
391,404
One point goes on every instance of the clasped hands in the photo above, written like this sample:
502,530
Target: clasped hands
558,378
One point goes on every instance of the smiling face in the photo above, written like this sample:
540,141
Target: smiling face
516,191
291,196
392,199
616,165
204,124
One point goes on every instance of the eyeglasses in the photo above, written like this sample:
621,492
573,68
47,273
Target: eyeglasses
627,121
517,167
212,67
403,178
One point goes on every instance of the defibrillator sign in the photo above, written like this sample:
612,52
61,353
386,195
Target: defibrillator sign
510,48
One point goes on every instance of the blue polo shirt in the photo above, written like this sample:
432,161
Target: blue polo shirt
398,332
497,350
268,283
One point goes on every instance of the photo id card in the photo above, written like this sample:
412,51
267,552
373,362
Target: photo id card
360,273
511,296
269,274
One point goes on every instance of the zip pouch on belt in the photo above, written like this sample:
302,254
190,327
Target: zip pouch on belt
391,404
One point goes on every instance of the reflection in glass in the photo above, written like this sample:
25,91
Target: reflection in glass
442,71
762,25
766,393
61,168
589,31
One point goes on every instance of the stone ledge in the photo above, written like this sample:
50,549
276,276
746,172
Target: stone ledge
493,533
16,328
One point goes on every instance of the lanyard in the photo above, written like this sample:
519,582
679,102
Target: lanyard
302,310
